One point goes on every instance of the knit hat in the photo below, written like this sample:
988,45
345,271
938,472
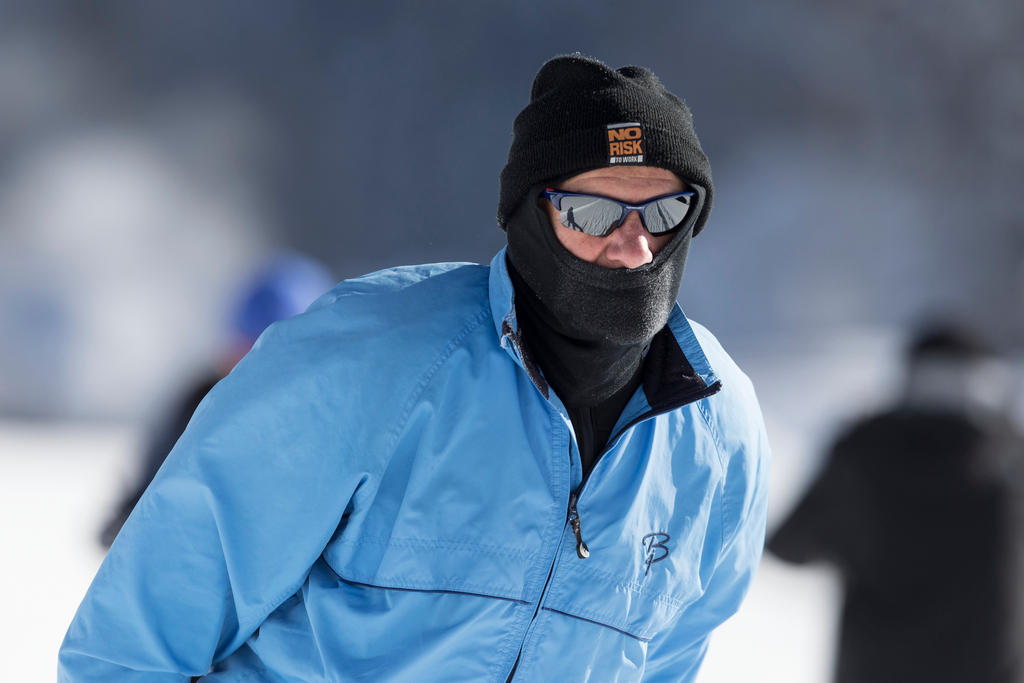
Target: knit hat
583,115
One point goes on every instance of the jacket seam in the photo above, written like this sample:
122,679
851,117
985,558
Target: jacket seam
603,624
430,544
610,579
398,584
561,440
705,412
606,618
416,589
424,382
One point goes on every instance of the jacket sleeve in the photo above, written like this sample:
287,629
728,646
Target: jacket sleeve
228,530
676,655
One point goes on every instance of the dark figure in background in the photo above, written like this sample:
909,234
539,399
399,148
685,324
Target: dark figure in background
919,509
284,286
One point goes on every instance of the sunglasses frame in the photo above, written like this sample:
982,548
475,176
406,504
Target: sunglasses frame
555,197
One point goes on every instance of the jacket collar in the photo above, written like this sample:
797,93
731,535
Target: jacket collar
676,368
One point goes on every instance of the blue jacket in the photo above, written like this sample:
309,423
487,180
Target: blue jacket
382,491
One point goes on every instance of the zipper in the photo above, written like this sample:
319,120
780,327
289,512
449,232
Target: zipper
582,551
573,518
540,600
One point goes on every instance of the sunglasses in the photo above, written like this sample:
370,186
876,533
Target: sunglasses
599,216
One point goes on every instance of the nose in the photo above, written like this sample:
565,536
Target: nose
629,245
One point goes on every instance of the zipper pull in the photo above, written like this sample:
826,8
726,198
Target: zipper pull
582,551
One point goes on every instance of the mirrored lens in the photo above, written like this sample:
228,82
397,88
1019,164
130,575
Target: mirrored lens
592,215
665,214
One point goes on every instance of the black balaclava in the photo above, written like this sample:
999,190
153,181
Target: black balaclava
586,325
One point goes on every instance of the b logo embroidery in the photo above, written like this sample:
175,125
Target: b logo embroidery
655,549
625,143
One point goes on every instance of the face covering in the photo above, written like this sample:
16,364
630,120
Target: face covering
586,325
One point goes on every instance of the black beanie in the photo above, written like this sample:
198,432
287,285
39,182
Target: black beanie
583,115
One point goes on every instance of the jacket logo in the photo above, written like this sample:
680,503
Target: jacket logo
625,143
655,549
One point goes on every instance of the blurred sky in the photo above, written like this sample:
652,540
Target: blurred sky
867,160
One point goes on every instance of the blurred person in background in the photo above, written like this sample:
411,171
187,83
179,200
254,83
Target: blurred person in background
284,286
920,509
538,470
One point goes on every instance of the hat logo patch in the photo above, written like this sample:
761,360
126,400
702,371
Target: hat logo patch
625,143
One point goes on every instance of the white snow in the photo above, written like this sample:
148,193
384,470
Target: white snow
56,484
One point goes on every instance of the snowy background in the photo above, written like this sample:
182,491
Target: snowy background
867,161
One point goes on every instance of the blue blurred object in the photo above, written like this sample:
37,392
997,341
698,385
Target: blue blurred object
284,287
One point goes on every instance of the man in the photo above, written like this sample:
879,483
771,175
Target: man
919,508
533,471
